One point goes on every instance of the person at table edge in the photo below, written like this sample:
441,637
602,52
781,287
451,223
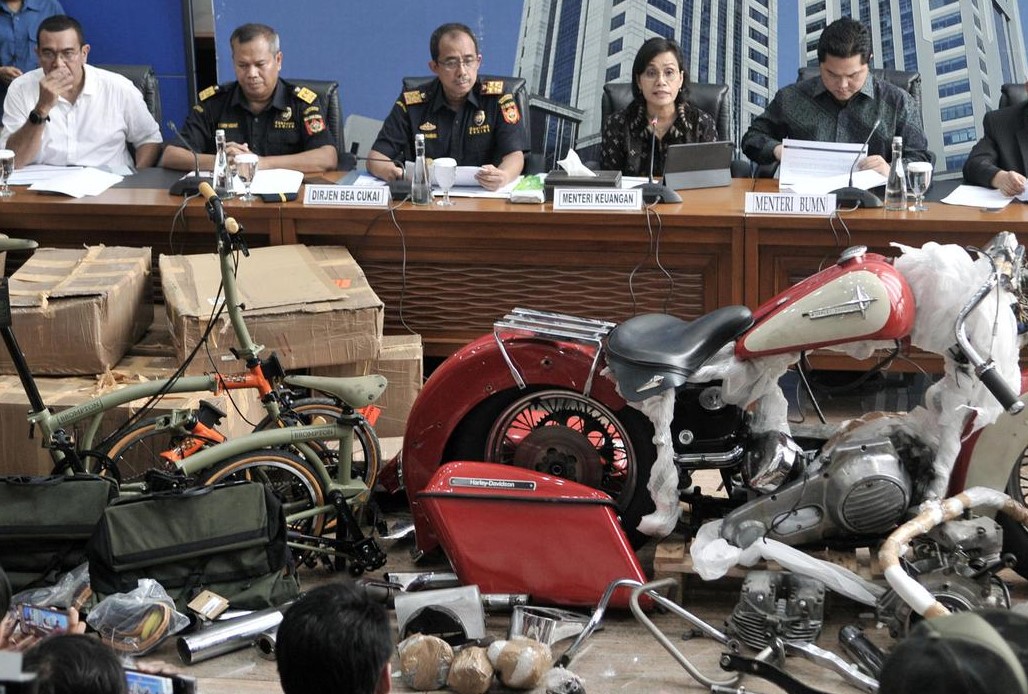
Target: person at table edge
477,123
998,159
841,104
283,123
69,113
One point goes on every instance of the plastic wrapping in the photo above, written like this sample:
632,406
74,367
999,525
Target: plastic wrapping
470,672
71,591
424,661
663,483
521,663
138,621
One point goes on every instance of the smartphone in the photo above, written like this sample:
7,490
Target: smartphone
146,683
40,621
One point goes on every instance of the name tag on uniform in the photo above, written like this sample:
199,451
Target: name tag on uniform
597,199
790,203
355,196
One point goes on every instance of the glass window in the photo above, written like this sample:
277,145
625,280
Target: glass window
758,57
946,21
660,28
957,111
615,46
955,137
949,42
758,16
951,88
617,20
758,99
663,6
613,73
951,65
814,8
758,78
955,162
758,37
936,4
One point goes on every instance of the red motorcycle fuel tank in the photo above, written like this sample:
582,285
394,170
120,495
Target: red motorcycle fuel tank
861,297
512,530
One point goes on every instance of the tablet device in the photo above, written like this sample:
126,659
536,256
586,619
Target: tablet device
699,165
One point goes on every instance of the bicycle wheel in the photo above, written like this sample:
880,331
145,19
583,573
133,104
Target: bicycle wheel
139,449
289,477
367,450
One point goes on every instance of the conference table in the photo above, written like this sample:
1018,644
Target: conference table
448,273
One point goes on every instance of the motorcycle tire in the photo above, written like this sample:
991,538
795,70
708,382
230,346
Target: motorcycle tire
566,434
1015,535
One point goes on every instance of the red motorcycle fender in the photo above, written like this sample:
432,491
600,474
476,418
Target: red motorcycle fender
988,456
469,377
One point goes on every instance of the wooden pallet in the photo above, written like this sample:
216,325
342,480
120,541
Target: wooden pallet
672,559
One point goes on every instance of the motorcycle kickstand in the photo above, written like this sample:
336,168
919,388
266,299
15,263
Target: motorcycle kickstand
367,555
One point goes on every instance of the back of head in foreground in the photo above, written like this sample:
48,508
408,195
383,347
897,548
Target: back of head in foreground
74,664
334,639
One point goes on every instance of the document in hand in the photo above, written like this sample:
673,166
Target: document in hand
820,167
78,182
465,175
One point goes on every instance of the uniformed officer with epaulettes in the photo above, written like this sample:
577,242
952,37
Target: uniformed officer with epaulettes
284,124
476,123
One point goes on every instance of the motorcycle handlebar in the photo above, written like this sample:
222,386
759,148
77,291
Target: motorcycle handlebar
992,380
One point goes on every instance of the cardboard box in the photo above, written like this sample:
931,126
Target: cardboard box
21,455
311,305
400,361
77,311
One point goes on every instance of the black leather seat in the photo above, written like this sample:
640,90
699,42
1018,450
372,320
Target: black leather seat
328,90
1012,93
145,79
715,99
518,88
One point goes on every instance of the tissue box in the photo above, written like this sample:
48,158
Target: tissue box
561,179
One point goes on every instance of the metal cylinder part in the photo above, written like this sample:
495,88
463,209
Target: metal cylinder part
266,642
227,636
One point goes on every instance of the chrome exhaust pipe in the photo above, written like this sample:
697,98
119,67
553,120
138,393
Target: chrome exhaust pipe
266,642
229,636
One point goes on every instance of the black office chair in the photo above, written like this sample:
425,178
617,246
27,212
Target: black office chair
518,88
328,90
910,82
145,79
1012,93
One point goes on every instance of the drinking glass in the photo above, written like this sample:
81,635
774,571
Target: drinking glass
919,177
6,169
246,169
445,171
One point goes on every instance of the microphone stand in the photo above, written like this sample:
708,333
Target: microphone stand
652,191
850,195
188,185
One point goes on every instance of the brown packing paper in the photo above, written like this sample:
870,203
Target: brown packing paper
471,672
424,661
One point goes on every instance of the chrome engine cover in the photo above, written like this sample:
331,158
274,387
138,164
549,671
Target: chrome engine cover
863,490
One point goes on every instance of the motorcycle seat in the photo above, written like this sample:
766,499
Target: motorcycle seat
676,348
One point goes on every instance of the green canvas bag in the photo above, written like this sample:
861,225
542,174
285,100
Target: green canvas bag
230,539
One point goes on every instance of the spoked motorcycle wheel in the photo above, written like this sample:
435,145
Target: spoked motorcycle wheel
565,434
1015,535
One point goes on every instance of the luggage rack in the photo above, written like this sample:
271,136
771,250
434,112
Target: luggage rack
560,326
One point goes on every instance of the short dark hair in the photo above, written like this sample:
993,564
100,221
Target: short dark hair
60,22
845,38
451,28
74,664
333,639
248,32
650,49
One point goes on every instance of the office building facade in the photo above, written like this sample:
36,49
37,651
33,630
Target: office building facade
965,50
568,49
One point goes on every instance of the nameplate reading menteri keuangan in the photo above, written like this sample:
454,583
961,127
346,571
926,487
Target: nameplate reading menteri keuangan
790,203
355,196
597,199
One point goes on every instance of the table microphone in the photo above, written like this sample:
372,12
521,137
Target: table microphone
656,192
399,189
190,184
850,196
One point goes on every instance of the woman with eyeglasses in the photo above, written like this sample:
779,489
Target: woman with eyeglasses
660,84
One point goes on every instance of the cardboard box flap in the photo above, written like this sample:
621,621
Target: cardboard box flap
272,277
61,273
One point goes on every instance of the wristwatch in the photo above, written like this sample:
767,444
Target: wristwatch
37,118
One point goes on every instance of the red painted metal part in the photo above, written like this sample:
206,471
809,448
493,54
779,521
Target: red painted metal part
468,378
512,530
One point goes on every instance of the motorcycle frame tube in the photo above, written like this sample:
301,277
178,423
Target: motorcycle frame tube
473,374
988,456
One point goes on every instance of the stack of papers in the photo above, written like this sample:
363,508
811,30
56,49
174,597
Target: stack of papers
816,168
271,182
69,180
976,196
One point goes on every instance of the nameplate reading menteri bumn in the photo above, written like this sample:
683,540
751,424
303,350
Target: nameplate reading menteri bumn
597,199
790,203
354,196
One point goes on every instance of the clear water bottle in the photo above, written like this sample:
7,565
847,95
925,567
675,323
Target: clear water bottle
420,188
896,186
221,182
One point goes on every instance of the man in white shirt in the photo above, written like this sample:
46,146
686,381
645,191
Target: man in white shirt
69,113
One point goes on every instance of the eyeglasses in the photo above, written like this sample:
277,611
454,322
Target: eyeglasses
68,54
669,73
468,61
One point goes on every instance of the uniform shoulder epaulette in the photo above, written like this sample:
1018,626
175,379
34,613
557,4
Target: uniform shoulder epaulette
305,94
414,96
209,92
492,87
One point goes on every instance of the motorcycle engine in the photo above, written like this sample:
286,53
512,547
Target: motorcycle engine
859,492
778,604
956,562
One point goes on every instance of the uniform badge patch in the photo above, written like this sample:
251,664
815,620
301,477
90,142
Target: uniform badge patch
287,114
305,95
492,87
511,114
427,127
208,93
479,117
413,97
314,123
